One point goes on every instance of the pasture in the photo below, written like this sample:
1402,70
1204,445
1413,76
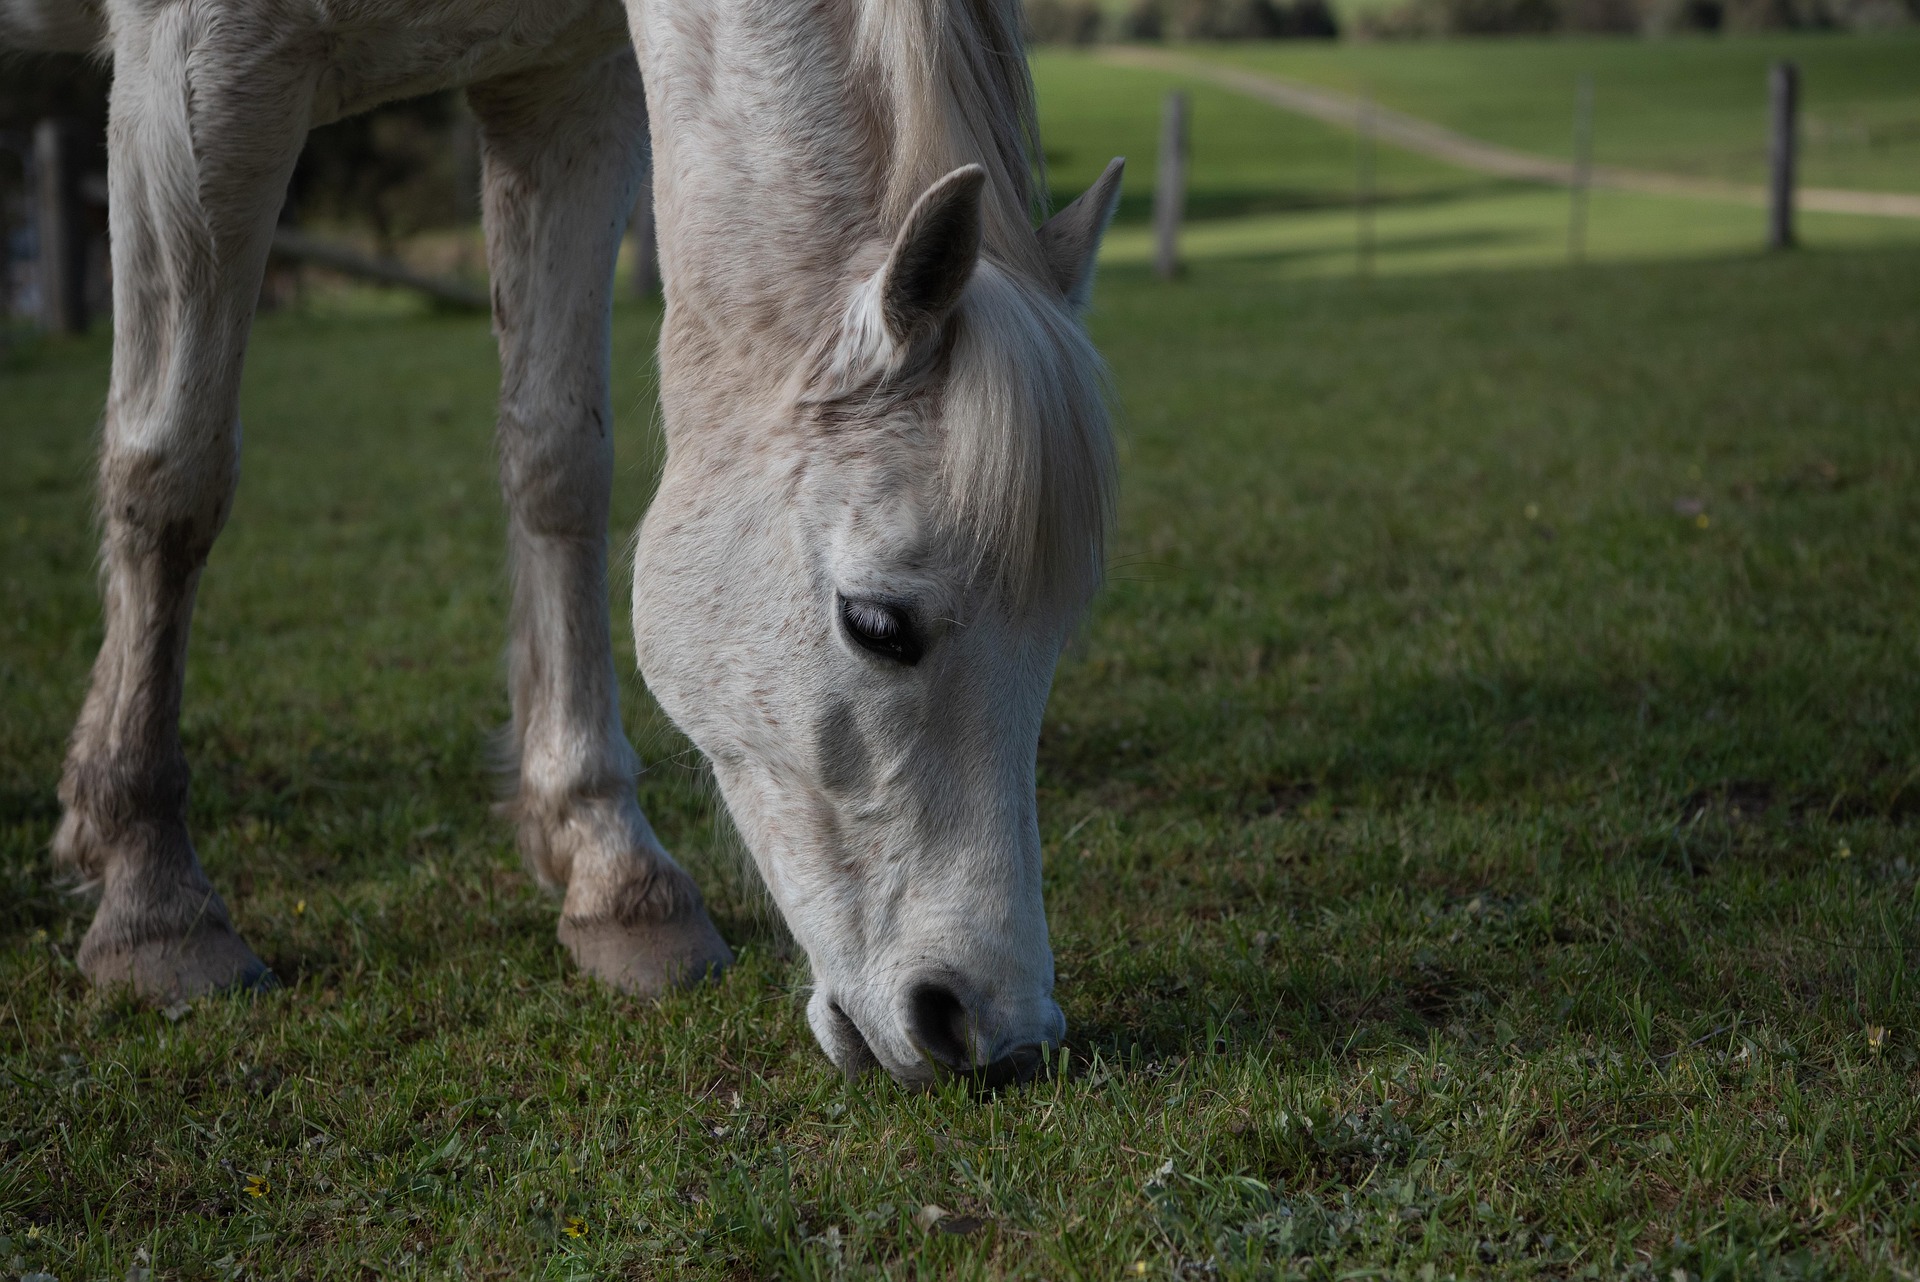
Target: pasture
1479,813
1276,191
1692,105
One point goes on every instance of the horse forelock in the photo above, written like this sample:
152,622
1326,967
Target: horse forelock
1022,473
1027,464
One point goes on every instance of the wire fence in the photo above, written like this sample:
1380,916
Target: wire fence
1781,196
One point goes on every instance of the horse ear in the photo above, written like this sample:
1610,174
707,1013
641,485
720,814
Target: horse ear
934,255
1070,240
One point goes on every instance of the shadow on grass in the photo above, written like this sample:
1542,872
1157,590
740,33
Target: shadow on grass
1697,723
1207,203
1384,247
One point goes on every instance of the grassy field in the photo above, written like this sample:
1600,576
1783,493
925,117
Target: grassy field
1692,105
1275,187
1480,814
1478,820
1249,158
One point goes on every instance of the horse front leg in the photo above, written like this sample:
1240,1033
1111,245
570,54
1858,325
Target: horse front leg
562,154
203,131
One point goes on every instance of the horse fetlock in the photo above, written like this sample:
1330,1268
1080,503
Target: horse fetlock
584,845
121,810
78,849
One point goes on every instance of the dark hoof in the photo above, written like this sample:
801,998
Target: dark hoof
648,960
210,960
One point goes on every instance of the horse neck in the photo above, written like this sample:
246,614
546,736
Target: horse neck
791,136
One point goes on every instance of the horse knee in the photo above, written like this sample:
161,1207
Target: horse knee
558,477
169,502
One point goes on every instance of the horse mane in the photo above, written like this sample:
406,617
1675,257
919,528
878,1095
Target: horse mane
1027,466
955,90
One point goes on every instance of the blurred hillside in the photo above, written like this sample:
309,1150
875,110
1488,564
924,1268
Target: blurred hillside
1093,21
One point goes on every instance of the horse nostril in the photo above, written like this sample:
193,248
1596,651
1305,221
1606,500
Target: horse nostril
937,1022
855,1055
948,1036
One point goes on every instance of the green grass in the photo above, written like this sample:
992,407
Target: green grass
1479,822
1694,105
1518,226
1248,158
1271,186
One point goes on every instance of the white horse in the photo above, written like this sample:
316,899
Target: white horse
886,485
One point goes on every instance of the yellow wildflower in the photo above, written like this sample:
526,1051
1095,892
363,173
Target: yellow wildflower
257,1186
576,1227
1876,1037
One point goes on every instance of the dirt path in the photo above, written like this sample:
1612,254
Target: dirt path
1343,112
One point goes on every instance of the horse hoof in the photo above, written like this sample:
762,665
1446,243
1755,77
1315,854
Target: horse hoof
212,959
648,960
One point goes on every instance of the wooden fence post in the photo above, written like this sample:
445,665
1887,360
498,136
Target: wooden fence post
6,241
1363,191
1170,186
1582,167
60,228
1783,84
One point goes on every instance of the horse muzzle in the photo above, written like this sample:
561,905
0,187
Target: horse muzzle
934,1029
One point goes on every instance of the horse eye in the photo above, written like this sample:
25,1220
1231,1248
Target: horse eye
882,628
